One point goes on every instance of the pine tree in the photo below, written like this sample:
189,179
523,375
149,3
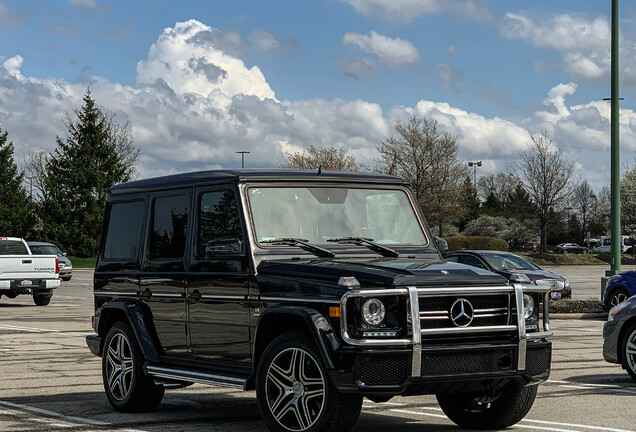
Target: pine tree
79,173
16,218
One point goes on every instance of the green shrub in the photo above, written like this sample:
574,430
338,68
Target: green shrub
476,242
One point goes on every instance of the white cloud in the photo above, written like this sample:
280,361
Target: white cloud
583,44
391,51
407,11
195,105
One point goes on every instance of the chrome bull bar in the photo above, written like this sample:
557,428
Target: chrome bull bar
413,295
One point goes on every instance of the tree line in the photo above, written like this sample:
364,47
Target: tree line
537,199
60,196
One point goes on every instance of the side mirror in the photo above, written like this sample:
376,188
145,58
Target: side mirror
442,245
223,248
64,254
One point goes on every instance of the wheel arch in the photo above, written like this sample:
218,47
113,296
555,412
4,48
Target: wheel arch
132,313
277,320
611,289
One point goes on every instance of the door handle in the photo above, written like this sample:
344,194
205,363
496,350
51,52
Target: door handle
27,261
145,294
195,295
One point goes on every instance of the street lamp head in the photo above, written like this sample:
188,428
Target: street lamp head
478,163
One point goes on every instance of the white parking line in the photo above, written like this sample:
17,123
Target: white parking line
54,414
524,423
40,330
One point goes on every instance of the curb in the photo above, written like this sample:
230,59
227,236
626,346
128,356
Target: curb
585,315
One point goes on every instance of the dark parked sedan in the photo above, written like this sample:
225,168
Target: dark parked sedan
514,268
619,336
619,288
566,248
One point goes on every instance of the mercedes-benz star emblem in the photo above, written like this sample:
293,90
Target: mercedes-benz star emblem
462,313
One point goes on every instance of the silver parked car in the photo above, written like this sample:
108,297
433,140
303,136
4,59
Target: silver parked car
43,248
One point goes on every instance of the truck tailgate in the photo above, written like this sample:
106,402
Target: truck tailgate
28,267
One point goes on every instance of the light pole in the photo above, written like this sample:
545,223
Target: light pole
243,157
474,165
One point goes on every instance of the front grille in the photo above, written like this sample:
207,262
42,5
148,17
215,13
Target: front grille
489,310
456,363
538,360
383,369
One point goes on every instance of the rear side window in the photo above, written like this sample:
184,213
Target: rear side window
12,247
124,230
169,226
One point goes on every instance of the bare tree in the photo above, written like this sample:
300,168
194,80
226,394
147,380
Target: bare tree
329,158
546,175
34,168
584,203
499,185
427,158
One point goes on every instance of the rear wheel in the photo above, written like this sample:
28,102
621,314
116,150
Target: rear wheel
503,408
294,392
629,351
42,299
127,387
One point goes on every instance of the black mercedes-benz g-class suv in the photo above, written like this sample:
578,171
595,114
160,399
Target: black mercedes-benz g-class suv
314,289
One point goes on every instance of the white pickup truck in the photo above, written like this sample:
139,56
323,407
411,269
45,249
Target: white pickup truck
24,273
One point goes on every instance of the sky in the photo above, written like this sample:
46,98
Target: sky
198,81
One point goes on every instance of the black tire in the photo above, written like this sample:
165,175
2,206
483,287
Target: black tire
42,299
628,351
127,388
506,408
618,296
294,392
565,252
585,251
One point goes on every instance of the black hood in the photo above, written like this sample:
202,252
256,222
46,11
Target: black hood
381,272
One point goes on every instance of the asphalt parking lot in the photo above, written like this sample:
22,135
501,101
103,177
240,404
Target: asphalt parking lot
51,382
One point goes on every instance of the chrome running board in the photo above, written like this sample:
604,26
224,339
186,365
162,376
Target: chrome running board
195,377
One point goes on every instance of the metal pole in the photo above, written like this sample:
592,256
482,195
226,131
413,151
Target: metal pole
615,224
242,157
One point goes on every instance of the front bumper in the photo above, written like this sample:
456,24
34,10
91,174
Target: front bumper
453,359
611,332
443,370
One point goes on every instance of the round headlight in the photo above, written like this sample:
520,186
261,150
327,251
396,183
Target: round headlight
528,306
373,312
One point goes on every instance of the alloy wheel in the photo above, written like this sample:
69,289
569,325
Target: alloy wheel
630,351
295,389
119,366
618,298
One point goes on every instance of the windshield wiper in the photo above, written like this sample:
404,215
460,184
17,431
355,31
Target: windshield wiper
303,244
368,242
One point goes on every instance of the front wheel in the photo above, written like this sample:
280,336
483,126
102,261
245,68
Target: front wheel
617,297
294,392
127,387
507,406
629,351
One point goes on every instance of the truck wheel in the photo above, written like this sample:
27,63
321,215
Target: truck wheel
127,387
294,392
629,351
501,410
42,299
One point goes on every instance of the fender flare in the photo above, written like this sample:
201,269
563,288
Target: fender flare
319,326
137,320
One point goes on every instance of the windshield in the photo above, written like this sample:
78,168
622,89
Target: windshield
509,262
45,250
318,214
